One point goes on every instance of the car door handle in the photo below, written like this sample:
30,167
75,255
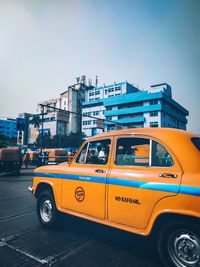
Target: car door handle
168,175
100,171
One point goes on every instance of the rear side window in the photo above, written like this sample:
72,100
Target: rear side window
132,151
135,151
196,142
160,156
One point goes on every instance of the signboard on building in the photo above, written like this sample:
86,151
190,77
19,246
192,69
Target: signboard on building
35,133
63,116
61,128
45,131
20,124
100,124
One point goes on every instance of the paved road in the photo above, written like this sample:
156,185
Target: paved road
77,242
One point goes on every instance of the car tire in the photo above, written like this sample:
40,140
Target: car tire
46,209
179,245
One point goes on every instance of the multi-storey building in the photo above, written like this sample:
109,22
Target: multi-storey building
94,104
60,122
8,127
132,108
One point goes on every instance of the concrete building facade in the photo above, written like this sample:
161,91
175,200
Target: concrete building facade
61,122
134,108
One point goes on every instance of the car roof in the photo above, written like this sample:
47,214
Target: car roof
156,132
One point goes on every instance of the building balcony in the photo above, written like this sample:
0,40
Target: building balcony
131,98
126,120
126,111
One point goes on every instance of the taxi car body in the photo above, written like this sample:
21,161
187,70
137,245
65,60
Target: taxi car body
146,181
55,155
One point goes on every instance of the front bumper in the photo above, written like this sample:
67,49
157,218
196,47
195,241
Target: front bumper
30,189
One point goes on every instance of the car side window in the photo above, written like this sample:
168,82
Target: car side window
82,155
132,151
160,156
95,152
98,152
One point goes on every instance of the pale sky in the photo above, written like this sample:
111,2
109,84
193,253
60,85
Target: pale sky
45,45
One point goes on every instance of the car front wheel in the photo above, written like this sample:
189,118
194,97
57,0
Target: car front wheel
46,209
179,245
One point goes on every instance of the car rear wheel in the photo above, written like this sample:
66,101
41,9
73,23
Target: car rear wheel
179,245
46,209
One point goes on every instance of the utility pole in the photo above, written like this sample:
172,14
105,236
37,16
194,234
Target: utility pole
42,128
77,113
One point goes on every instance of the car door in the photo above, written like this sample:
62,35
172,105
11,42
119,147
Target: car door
84,188
143,172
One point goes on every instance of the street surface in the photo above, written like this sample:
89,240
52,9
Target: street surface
77,242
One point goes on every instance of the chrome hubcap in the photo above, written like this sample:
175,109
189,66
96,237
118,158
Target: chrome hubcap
184,248
46,211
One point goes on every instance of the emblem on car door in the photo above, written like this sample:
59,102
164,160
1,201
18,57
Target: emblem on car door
79,194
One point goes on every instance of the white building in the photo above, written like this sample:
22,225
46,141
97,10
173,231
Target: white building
61,122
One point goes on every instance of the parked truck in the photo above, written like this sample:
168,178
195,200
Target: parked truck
10,160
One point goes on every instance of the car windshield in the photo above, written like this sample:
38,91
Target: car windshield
196,142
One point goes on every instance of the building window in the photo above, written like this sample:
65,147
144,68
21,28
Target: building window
153,114
111,90
106,91
154,124
117,88
96,113
87,122
109,118
97,93
91,93
153,102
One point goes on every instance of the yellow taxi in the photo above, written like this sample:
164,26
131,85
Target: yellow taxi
55,155
144,181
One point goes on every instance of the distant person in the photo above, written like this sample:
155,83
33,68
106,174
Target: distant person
69,155
102,153
26,159
93,159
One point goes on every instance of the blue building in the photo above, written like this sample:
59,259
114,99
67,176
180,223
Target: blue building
8,127
129,107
